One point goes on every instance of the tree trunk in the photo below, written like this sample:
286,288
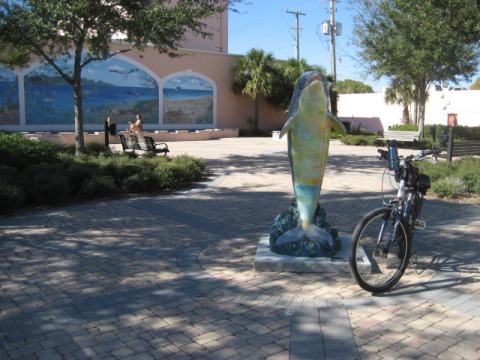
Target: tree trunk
415,104
422,97
77,96
405,115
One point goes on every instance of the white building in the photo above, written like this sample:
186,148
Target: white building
444,106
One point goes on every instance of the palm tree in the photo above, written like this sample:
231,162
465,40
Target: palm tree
284,79
402,93
252,77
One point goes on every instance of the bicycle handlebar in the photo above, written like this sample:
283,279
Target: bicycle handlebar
419,156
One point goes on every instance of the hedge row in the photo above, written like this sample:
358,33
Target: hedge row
35,174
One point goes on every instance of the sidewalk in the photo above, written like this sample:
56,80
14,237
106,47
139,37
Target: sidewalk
171,277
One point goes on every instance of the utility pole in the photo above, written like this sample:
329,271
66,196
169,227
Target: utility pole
333,64
297,30
330,28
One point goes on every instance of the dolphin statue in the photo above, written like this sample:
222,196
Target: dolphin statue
308,126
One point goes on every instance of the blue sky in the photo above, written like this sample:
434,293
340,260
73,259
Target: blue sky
264,24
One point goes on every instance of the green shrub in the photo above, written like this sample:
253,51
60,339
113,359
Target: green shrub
12,197
403,127
476,188
357,140
18,151
8,173
40,173
48,189
469,133
335,135
169,175
359,130
151,162
91,149
145,181
127,170
193,168
79,172
96,149
423,144
449,187
112,166
98,187
469,172
249,133
437,170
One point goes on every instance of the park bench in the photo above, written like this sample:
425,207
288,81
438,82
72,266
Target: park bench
398,135
133,142
458,148
463,148
409,136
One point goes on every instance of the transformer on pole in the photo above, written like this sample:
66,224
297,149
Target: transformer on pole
329,27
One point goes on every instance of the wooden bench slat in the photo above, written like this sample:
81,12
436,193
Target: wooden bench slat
463,148
467,145
405,136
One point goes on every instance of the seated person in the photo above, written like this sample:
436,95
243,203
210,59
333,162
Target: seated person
137,125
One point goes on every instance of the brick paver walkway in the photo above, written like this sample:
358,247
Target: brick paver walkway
171,277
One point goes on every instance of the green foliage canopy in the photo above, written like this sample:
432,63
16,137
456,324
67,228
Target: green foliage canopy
285,76
83,29
419,41
349,86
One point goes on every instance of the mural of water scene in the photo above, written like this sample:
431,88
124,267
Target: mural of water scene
112,88
187,100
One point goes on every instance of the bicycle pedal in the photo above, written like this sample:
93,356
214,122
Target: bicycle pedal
420,225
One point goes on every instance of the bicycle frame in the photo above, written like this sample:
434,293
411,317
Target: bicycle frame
401,208
393,234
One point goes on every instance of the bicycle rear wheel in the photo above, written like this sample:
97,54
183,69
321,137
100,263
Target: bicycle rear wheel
375,267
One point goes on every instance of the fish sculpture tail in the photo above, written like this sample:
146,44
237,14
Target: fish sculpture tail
311,232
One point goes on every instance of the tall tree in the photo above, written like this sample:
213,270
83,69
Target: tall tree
253,75
83,29
420,41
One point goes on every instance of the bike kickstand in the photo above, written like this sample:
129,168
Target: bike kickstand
413,261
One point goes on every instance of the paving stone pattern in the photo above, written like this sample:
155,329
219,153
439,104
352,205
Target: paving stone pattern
171,277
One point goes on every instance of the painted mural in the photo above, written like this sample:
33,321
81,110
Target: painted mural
112,88
187,100
9,105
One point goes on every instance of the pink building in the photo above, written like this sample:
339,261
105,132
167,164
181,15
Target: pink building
192,92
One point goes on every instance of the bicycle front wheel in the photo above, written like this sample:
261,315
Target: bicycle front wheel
376,264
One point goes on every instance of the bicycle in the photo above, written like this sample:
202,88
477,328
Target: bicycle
382,240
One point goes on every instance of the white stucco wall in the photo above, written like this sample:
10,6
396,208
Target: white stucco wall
373,114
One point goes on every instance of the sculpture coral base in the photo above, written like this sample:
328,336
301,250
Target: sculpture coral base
288,220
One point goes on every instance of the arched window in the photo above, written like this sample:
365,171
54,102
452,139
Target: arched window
189,101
